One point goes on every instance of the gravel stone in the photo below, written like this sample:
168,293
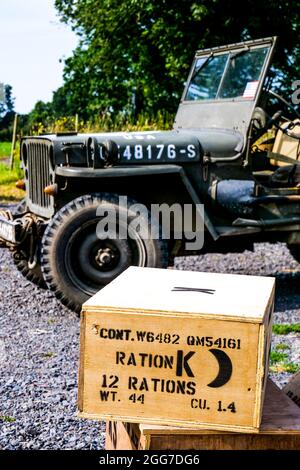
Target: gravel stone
39,349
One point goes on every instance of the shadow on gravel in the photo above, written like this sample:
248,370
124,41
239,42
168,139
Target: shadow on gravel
287,291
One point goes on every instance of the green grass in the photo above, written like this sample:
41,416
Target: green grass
5,148
48,355
289,367
279,329
279,355
276,356
7,419
279,360
8,178
279,363
7,175
281,347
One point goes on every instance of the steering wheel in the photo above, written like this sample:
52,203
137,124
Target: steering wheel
274,119
283,100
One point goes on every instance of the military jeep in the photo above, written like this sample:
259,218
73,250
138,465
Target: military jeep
234,148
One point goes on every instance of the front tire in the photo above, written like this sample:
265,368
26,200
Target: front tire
76,263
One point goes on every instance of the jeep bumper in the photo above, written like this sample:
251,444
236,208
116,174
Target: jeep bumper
11,231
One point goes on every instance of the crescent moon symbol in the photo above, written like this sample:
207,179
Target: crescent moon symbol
225,368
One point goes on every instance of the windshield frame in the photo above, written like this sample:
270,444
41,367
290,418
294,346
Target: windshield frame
231,51
230,114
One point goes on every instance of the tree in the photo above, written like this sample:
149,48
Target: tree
6,100
60,105
6,111
42,112
134,55
9,99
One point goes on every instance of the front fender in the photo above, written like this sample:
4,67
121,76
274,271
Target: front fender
143,170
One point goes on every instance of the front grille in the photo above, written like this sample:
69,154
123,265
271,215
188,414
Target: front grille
38,167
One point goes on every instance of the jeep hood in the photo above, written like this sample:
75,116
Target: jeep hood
153,147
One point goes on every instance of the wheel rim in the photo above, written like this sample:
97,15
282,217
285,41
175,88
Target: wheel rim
92,263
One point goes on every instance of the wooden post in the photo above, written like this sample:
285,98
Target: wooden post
13,143
76,122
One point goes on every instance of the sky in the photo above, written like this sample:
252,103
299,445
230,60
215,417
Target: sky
32,42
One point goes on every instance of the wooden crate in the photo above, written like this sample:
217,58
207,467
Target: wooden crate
177,348
280,430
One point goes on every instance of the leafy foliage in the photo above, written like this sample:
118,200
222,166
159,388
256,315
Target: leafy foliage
134,55
102,123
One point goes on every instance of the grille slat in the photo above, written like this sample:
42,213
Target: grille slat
38,161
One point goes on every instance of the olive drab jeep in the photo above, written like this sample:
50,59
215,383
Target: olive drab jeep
234,148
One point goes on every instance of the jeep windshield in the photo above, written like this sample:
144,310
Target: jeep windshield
228,75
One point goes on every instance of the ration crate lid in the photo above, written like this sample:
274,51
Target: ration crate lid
230,296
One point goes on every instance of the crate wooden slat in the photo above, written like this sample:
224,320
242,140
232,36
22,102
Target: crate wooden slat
177,348
280,430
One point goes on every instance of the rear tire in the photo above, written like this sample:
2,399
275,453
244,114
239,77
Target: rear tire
76,263
32,272
295,252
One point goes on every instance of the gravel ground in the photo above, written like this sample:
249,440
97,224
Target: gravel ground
39,349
